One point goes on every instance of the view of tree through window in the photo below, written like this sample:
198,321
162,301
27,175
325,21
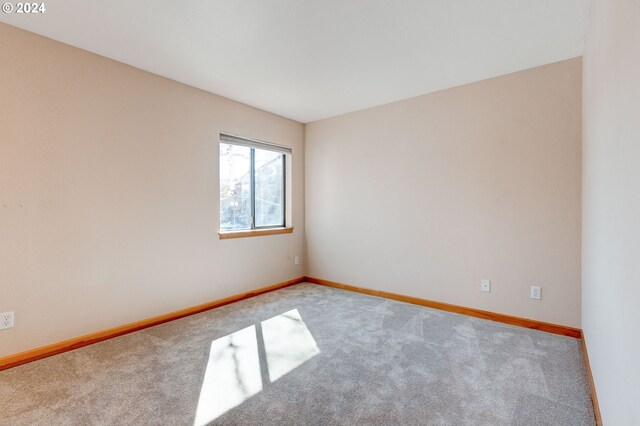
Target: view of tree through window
251,188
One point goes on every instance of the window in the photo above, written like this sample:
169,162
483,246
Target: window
252,184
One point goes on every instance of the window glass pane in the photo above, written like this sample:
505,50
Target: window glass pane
235,187
269,174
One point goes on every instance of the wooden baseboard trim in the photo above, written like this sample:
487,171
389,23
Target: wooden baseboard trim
89,339
592,385
492,316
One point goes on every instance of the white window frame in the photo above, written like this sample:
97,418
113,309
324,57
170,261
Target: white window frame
227,138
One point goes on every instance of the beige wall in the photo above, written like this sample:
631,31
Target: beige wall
611,207
108,194
428,196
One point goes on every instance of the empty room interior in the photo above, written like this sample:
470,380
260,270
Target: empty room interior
336,212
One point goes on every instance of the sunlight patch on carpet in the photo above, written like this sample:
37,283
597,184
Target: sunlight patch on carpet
288,343
237,363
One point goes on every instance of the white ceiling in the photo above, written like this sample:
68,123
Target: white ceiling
311,59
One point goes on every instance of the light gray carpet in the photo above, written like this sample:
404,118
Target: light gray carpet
313,355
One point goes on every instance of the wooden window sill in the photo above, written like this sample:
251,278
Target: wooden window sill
225,235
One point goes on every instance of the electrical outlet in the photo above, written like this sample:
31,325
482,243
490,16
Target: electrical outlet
536,292
485,285
296,260
6,320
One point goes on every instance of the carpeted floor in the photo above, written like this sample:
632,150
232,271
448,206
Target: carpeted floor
313,355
